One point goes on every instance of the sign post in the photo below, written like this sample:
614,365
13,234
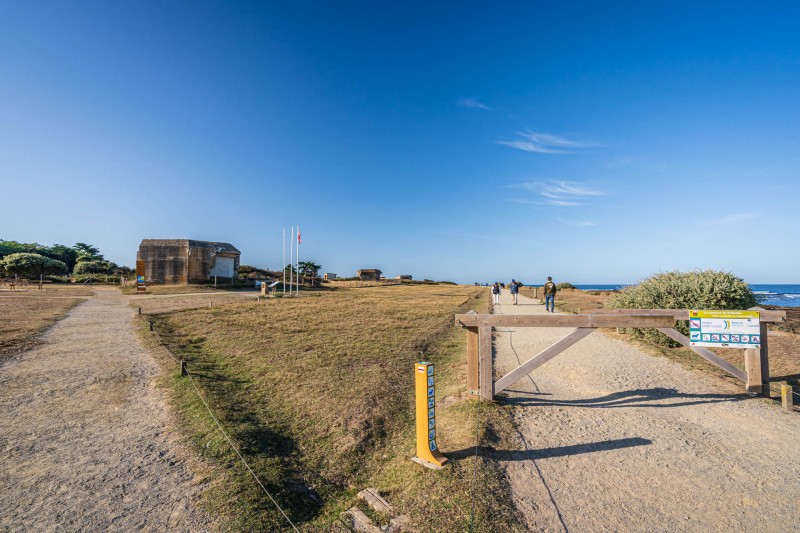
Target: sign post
725,329
140,286
427,450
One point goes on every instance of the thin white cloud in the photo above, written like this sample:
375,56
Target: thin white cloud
473,103
546,143
730,219
560,203
531,147
557,193
578,223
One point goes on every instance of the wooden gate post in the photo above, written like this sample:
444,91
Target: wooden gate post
765,390
473,365
485,358
752,366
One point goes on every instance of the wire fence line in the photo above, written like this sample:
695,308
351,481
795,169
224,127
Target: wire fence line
224,433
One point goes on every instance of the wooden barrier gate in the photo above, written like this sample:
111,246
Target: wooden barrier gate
480,367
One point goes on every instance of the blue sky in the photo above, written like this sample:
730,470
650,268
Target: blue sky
597,142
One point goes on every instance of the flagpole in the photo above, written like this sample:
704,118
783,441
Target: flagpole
299,242
291,262
284,261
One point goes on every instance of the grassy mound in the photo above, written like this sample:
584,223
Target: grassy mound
708,289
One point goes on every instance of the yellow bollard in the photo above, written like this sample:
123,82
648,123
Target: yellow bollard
427,451
786,397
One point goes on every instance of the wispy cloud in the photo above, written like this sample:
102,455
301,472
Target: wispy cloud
578,223
473,103
730,219
546,143
557,193
549,201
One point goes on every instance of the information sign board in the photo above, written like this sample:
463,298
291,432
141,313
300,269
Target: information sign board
140,273
725,329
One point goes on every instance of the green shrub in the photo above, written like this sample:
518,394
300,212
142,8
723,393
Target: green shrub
90,267
707,289
32,265
565,285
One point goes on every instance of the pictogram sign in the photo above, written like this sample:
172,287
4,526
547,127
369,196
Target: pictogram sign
725,329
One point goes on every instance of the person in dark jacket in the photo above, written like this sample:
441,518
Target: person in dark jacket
496,293
514,288
550,290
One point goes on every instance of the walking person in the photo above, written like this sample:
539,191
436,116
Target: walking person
514,288
550,290
496,293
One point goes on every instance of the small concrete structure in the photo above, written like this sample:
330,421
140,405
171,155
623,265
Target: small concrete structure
184,261
329,276
404,276
369,274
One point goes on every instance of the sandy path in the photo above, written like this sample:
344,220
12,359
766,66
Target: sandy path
84,443
618,440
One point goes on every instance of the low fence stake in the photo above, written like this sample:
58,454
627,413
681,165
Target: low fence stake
786,397
151,327
184,371
140,310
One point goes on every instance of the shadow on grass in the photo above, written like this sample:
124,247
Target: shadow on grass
262,444
791,379
631,398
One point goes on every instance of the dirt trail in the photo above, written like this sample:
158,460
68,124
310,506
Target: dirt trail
83,433
618,440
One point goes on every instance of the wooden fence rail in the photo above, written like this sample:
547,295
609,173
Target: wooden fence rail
480,367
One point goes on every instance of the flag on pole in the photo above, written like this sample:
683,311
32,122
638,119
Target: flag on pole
299,239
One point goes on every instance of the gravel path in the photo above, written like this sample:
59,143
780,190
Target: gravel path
84,443
618,440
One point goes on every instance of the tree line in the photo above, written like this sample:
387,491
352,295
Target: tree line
80,261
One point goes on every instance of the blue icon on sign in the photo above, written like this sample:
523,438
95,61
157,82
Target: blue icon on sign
430,381
432,445
431,413
430,370
431,423
430,392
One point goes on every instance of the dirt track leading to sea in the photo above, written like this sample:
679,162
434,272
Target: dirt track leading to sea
84,436
618,440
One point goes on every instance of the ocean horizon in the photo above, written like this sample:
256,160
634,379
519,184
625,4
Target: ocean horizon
780,294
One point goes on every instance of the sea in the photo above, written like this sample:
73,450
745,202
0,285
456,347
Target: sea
780,294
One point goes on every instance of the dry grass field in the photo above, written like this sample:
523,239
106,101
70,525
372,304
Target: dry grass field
27,312
317,391
160,290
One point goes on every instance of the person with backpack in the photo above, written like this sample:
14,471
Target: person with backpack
514,288
550,290
496,293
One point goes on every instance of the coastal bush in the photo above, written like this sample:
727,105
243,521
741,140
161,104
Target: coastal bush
707,289
32,265
565,285
90,267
